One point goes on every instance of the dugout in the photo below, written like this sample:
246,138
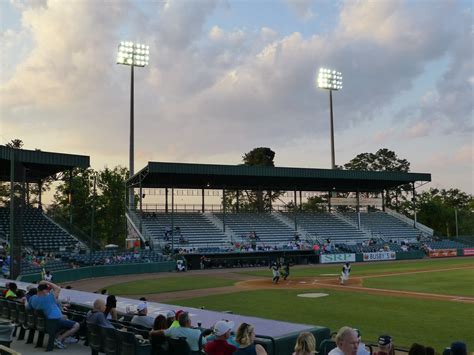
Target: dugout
21,167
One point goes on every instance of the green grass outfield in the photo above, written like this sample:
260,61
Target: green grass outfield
167,284
371,268
452,282
429,322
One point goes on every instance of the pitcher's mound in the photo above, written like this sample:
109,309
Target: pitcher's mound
313,295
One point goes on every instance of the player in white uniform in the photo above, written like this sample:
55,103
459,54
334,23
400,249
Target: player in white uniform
346,270
275,271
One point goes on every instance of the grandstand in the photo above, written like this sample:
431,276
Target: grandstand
386,226
40,233
195,228
268,229
329,226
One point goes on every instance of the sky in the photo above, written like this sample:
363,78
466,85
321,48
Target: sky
227,76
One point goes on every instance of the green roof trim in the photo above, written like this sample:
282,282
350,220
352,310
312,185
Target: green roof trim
185,175
38,163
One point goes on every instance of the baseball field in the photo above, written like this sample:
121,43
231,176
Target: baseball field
426,301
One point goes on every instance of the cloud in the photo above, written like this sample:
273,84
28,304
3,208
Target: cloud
214,92
465,154
302,8
420,129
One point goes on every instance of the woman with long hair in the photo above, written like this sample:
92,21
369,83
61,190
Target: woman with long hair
111,308
246,339
305,344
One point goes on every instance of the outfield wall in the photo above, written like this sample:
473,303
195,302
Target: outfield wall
103,270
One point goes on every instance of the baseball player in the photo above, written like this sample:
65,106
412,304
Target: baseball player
346,270
286,270
275,266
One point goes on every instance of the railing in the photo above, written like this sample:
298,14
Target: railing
73,230
410,221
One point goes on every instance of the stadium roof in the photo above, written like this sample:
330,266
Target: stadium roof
232,177
39,164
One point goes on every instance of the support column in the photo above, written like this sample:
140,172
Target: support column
40,194
329,201
202,193
383,200
17,210
414,206
223,210
237,197
358,209
172,218
70,197
301,200
166,200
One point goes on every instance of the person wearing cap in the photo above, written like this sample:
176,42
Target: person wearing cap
458,348
346,270
47,302
347,342
185,330
175,323
385,346
220,346
142,318
170,318
361,350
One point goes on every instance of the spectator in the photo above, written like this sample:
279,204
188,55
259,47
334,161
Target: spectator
347,342
31,292
47,302
385,345
96,316
417,349
175,323
430,350
305,344
220,346
361,350
110,311
12,290
48,276
158,341
170,318
246,338
183,331
142,318
21,296
458,348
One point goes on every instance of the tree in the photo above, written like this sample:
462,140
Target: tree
383,160
437,209
316,204
253,200
108,205
111,224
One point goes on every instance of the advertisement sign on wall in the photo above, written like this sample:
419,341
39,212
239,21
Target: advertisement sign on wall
337,258
382,255
443,253
468,251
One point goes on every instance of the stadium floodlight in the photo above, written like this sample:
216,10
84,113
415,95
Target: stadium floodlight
330,80
134,55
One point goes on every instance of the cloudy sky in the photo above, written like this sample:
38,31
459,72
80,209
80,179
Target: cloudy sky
227,76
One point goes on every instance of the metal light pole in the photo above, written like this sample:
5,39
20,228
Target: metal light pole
134,55
330,80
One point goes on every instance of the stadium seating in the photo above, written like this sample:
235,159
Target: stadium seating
268,228
39,232
385,225
446,244
327,225
195,227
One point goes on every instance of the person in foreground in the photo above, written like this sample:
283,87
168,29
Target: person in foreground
47,302
246,338
305,344
347,342
220,346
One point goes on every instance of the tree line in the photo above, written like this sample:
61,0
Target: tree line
98,196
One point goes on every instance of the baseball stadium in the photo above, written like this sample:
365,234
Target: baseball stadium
219,250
